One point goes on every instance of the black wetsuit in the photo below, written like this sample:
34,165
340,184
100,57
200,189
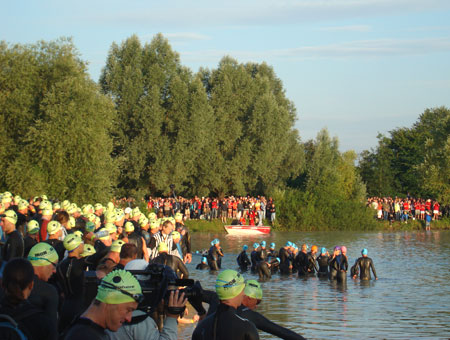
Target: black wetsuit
307,265
13,247
86,329
285,261
254,257
243,261
263,270
225,324
265,325
173,262
342,273
70,276
45,297
59,247
322,261
29,243
262,254
363,266
202,266
31,320
338,267
272,253
214,258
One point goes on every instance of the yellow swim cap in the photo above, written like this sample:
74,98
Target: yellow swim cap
119,286
229,284
42,254
253,289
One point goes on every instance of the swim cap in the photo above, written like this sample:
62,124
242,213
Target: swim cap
91,217
244,247
88,250
65,204
44,205
364,251
278,259
56,206
293,245
17,199
110,206
263,243
119,214
78,233
23,204
288,244
106,236
135,212
44,197
229,284
32,227
42,254
253,290
204,260
176,235
72,242
111,228
323,250
98,206
162,247
128,210
314,248
110,217
90,227
53,227
143,221
178,217
6,199
272,245
255,245
337,248
47,212
116,246
152,216
343,249
118,287
71,222
129,227
154,225
11,216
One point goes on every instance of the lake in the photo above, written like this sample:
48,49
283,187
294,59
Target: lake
410,300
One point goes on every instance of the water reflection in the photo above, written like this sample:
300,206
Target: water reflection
409,301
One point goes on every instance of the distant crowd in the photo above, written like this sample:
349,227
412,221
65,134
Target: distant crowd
402,209
246,209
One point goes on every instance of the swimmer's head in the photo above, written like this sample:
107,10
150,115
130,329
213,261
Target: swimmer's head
229,284
323,250
364,252
263,244
344,249
244,247
272,245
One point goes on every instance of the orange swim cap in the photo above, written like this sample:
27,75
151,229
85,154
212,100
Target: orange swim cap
314,248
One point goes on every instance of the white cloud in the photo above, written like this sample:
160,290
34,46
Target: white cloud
358,48
182,36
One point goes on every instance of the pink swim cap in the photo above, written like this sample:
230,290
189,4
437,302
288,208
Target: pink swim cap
343,249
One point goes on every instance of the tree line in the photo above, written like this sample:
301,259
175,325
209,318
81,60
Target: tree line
150,122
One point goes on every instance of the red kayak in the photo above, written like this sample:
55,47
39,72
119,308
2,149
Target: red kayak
247,229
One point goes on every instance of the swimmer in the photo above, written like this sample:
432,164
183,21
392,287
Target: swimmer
322,261
363,265
203,265
242,260
254,257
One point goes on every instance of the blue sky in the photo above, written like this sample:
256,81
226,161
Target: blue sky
357,67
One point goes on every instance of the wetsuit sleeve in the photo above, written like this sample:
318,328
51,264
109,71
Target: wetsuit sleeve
188,242
265,325
211,299
182,267
373,269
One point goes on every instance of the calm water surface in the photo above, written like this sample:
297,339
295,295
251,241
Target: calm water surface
411,299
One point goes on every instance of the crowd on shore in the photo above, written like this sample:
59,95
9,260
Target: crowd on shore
408,208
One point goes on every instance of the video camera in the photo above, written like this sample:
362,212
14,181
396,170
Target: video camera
157,281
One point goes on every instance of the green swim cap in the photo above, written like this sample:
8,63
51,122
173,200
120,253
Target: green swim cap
72,242
129,227
176,235
23,204
11,216
229,284
90,227
42,254
53,227
88,250
116,246
119,286
110,217
32,227
154,225
253,290
78,233
111,228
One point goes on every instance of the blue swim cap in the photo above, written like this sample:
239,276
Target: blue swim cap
263,243
278,259
288,244
364,251
204,259
245,247
255,245
272,245
293,245
323,250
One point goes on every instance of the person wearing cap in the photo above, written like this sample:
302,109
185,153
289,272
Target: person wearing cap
252,297
185,242
32,230
70,276
322,261
285,259
363,265
142,325
171,261
342,274
272,251
254,257
44,258
262,252
242,260
114,253
224,323
22,215
176,248
334,263
13,246
215,255
203,264
118,295
54,230
17,284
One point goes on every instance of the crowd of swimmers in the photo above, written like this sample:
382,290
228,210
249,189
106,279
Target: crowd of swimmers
266,260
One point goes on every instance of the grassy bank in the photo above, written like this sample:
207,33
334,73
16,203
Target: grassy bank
216,226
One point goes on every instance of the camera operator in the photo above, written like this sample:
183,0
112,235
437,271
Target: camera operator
118,295
142,326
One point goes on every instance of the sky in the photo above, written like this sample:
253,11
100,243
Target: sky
355,67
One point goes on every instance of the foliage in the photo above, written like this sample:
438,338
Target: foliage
412,160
